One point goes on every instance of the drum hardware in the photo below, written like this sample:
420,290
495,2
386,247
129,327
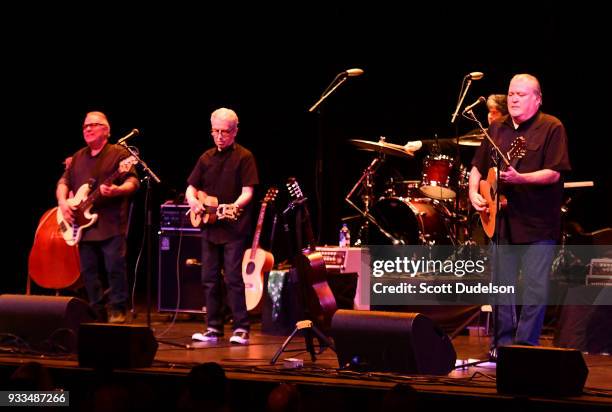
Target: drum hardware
435,182
366,181
382,147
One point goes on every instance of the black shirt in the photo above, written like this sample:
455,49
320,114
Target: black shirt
223,175
84,169
534,211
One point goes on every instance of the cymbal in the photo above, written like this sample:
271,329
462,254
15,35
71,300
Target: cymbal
471,139
381,146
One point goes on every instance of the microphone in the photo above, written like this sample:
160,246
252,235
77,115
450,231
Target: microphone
351,73
476,103
475,75
134,132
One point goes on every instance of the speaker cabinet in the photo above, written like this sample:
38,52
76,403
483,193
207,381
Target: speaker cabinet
44,322
537,370
106,346
180,268
408,343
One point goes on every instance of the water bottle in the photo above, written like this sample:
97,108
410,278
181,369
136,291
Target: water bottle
345,236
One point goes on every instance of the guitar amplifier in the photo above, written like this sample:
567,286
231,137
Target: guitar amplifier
339,260
180,272
176,218
600,272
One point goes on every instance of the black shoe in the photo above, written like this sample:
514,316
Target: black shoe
493,355
101,315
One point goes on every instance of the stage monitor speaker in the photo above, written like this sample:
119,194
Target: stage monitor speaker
105,346
46,323
408,343
188,247
537,370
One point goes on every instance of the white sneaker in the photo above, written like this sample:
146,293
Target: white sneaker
240,336
211,335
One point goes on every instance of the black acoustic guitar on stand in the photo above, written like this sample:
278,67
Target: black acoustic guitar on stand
316,297
320,304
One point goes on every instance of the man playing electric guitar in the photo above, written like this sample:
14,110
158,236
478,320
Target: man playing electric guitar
228,172
97,163
532,216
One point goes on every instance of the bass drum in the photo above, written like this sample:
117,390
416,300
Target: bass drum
408,222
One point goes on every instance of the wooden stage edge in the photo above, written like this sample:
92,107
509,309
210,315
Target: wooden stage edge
248,367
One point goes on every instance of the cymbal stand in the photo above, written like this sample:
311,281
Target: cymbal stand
366,183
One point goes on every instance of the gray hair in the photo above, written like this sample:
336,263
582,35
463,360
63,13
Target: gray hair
226,114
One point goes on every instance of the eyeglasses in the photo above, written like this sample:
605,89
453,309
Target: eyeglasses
85,126
224,133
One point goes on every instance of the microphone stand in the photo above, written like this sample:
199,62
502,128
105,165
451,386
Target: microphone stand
461,97
462,93
497,157
148,222
319,161
326,93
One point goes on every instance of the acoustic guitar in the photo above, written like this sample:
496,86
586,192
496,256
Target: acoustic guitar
320,301
257,261
83,201
489,188
212,211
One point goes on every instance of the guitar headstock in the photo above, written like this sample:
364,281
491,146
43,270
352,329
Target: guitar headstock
518,148
126,164
270,195
294,189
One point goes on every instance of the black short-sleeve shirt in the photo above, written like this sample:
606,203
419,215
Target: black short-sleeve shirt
534,211
112,211
223,174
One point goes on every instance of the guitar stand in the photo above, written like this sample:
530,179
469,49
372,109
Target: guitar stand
309,329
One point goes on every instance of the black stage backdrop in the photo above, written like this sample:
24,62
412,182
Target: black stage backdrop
163,72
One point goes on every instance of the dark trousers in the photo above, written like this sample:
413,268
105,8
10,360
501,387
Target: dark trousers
112,253
533,261
230,256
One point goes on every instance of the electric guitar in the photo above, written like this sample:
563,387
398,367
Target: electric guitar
212,211
488,188
83,200
256,261
320,302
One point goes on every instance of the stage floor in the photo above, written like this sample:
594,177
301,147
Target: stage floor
177,354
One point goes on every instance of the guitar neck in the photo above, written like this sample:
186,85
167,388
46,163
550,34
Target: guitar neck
309,232
95,195
260,219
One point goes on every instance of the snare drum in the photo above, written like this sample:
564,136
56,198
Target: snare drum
437,176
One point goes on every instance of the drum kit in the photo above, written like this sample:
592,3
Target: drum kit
434,210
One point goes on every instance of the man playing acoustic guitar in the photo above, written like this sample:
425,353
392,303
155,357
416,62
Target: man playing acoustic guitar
531,220
227,174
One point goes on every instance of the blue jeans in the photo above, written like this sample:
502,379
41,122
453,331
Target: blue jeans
112,253
534,262
230,255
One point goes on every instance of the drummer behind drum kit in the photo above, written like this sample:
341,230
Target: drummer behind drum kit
432,211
